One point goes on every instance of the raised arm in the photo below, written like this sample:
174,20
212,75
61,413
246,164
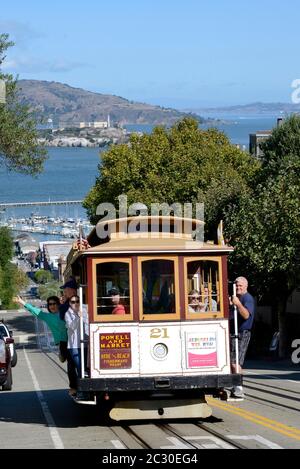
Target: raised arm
32,309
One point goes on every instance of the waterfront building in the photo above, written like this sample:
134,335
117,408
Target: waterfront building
25,245
255,140
51,254
93,125
99,125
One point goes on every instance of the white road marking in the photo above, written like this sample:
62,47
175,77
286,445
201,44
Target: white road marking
177,444
217,442
117,444
58,444
260,439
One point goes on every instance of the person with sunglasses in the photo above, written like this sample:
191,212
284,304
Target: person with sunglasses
72,320
52,319
194,302
69,289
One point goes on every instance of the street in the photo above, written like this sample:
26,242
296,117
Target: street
38,413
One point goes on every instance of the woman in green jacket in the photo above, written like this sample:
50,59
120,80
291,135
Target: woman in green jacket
52,319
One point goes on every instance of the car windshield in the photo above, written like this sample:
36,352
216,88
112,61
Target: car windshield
3,331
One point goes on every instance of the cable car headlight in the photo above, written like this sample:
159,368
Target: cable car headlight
160,351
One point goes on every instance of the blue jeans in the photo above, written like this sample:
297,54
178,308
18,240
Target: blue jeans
76,357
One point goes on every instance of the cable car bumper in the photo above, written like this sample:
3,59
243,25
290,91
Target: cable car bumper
172,383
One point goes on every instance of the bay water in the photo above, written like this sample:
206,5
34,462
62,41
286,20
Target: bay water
70,173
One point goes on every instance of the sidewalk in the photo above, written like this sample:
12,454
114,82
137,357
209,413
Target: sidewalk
269,363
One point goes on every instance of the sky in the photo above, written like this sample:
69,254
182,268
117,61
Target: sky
182,54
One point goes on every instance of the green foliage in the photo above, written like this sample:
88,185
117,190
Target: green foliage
12,280
21,280
181,164
265,229
19,149
43,276
6,246
49,289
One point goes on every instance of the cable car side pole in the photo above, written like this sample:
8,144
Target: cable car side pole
236,332
81,333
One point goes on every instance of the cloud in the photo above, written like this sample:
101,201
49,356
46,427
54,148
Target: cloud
36,65
20,33
19,59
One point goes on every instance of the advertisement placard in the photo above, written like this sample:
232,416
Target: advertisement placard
201,348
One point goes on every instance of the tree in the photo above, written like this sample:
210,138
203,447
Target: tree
43,276
12,280
6,246
265,228
19,148
49,289
181,164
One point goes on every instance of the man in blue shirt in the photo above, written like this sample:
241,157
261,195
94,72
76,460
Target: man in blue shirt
245,305
70,289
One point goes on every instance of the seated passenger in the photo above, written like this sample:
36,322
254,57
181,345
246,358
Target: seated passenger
205,305
118,308
194,302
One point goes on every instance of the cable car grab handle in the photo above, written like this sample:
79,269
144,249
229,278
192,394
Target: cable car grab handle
81,333
236,332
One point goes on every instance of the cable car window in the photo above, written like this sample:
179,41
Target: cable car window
158,280
203,287
113,288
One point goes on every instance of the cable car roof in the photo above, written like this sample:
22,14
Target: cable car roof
119,241
122,228
155,245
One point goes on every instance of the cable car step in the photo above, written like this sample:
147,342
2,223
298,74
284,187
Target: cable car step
160,409
84,401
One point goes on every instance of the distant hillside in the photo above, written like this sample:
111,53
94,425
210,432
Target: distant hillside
62,102
252,108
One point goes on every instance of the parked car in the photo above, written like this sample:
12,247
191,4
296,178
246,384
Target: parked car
7,336
5,365
34,291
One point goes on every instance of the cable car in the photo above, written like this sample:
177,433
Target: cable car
158,312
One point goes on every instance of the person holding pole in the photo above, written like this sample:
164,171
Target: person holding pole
242,313
77,326
69,289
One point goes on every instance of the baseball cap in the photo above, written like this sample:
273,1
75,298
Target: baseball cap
114,291
71,283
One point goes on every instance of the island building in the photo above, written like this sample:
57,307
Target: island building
84,125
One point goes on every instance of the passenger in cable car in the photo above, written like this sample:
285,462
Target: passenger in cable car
205,305
115,299
72,319
194,302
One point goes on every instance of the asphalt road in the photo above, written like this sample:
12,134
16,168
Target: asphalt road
38,413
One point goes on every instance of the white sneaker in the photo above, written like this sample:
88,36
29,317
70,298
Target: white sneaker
238,392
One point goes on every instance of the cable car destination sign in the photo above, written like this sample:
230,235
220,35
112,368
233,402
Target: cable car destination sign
115,350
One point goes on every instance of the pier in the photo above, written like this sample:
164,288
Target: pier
4,206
